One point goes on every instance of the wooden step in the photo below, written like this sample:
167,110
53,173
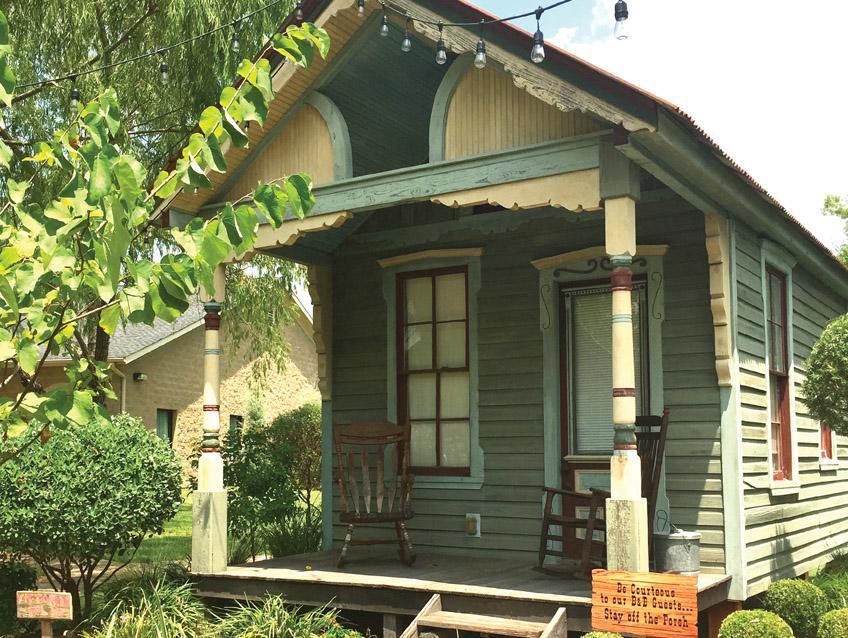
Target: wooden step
496,625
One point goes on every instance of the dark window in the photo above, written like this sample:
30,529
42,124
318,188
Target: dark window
781,434
433,373
165,420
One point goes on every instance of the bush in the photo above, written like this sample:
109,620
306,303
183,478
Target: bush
301,428
272,619
799,603
754,624
14,576
86,496
298,533
826,385
835,588
834,624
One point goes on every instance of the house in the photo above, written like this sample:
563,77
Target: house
518,260
155,377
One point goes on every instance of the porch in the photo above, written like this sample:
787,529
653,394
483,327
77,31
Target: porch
479,582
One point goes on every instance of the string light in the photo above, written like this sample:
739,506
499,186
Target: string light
75,96
236,40
621,15
406,43
441,53
298,12
480,56
384,27
537,53
164,71
360,7
91,54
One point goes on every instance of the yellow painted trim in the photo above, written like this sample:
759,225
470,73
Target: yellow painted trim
290,231
429,254
717,234
620,226
554,261
577,191
321,291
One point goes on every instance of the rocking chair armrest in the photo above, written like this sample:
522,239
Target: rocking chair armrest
599,492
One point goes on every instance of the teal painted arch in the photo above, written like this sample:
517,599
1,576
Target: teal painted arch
441,104
339,134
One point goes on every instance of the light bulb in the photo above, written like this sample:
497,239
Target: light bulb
537,53
164,72
441,53
298,12
360,8
75,97
406,44
480,58
236,43
621,15
92,53
384,28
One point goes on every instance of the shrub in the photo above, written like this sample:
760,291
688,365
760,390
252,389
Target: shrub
301,428
273,619
834,624
86,496
298,533
799,603
835,588
826,385
754,624
14,575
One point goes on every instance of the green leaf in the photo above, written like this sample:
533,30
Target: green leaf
318,36
247,223
128,184
7,350
299,190
109,317
210,119
170,185
100,180
214,155
232,127
17,190
213,250
5,42
254,106
7,81
271,201
27,355
5,154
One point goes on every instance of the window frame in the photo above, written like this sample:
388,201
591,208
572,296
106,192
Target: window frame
403,374
776,260
429,260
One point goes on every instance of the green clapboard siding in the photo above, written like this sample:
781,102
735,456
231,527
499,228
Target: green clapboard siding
510,362
784,535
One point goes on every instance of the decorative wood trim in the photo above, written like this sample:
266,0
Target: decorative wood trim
320,289
555,261
578,191
441,104
716,229
339,134
290,231
423,255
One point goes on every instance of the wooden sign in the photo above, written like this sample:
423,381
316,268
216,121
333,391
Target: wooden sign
645,604
44,605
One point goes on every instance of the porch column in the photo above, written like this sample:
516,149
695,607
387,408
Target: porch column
209,509
626,510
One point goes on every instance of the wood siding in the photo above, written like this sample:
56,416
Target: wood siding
510,363
303,146
784,535
489,113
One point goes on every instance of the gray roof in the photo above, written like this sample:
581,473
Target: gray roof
132,339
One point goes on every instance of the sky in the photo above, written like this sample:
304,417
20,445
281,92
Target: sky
766,80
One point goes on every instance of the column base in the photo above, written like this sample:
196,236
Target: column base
209,532
627,534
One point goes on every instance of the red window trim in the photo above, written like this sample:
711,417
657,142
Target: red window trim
402,373
783,470
827,452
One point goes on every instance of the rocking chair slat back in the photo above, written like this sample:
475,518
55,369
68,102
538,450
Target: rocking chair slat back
651,434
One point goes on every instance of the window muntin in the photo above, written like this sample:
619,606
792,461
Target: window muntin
433,371
778,376
588,353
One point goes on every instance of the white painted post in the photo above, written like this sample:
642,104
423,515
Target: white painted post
209,509
626,509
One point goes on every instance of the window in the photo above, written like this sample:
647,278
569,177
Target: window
433,393
165,424
778,376
827,443
236,423
587,343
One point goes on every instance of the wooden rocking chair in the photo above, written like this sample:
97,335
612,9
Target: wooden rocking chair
651,434
360,445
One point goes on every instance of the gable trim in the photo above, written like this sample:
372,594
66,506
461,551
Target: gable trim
138,354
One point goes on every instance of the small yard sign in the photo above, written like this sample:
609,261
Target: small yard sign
645,604
45,606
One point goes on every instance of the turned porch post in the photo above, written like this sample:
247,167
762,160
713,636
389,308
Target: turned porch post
209,509
626,509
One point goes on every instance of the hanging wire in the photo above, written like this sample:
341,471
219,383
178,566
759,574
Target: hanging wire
434,23
143,56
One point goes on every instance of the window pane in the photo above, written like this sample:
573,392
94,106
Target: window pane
423,444
777,348
419,299
454,395
419,347
455,448
776,301
422,396
775,387
450,297
450,347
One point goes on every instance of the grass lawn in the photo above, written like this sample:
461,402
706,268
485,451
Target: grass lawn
174,544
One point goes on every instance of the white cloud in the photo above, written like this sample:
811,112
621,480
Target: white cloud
764,80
